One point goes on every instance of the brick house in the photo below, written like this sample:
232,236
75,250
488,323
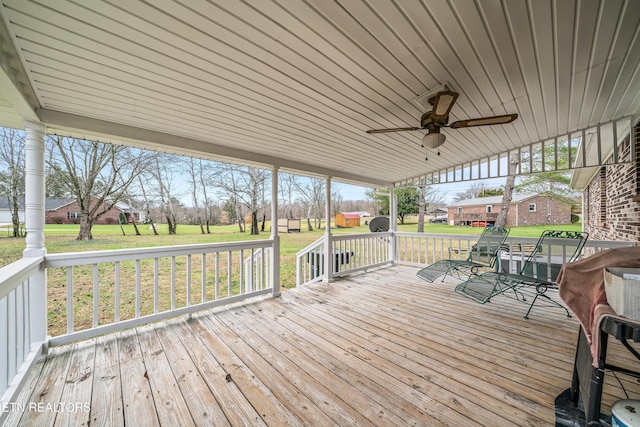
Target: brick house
611,194
525,209
67,211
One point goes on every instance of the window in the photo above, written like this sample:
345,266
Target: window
603,196
71,215
459,210
488,209
532,207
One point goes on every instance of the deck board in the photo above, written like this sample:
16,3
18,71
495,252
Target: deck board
382,348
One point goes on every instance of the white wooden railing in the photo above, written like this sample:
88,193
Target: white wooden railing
22,324
420,249
309,263
157,282
357,252
350,253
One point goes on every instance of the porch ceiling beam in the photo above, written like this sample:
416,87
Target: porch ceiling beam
90,128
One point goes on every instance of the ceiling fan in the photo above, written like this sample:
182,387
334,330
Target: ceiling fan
441,103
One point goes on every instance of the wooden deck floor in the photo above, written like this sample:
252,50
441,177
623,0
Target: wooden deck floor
382,348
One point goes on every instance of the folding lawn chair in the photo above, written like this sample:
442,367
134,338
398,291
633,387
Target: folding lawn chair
538,273
482,254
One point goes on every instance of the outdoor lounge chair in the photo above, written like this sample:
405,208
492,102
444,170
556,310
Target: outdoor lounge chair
482,254
537,275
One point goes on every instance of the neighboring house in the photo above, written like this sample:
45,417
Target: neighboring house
361,214
438,214
525,209
611,194
67,211
5,213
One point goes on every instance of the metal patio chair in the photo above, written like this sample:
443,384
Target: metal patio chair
537,274
482,255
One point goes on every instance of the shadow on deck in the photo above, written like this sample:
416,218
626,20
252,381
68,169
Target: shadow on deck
382,348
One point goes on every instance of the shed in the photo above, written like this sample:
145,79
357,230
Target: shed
287,225
345,220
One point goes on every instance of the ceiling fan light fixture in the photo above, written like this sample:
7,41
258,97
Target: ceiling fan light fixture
433,140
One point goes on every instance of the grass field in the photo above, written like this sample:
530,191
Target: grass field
62,238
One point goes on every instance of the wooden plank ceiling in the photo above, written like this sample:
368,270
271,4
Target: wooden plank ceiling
296,83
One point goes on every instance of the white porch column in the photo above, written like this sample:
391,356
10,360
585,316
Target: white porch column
34,224
275,259
328,245
393,224
34,189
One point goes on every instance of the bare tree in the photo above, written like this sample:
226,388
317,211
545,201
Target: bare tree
244,186
143,182
288,185
474,190
428,195
164,173
96,174
336,201
193,168
514,161
313,196
12,153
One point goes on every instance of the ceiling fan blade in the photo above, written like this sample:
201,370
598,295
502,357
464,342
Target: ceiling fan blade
391,130
484,121
442,103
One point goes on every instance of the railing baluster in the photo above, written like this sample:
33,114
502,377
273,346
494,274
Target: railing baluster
116,296
12,328
138,285
70,299
242,285
229,272
252,281
173,282
217,276
5,325
156,284
96,294
188,280
203,278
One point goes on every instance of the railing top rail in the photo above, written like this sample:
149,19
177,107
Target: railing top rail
310,247
356,236
12,275
79,258
513,239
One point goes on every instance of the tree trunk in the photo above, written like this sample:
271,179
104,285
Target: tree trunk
421,208
501,220
135,226
15,216
85,229
254,223
171,224
309,226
